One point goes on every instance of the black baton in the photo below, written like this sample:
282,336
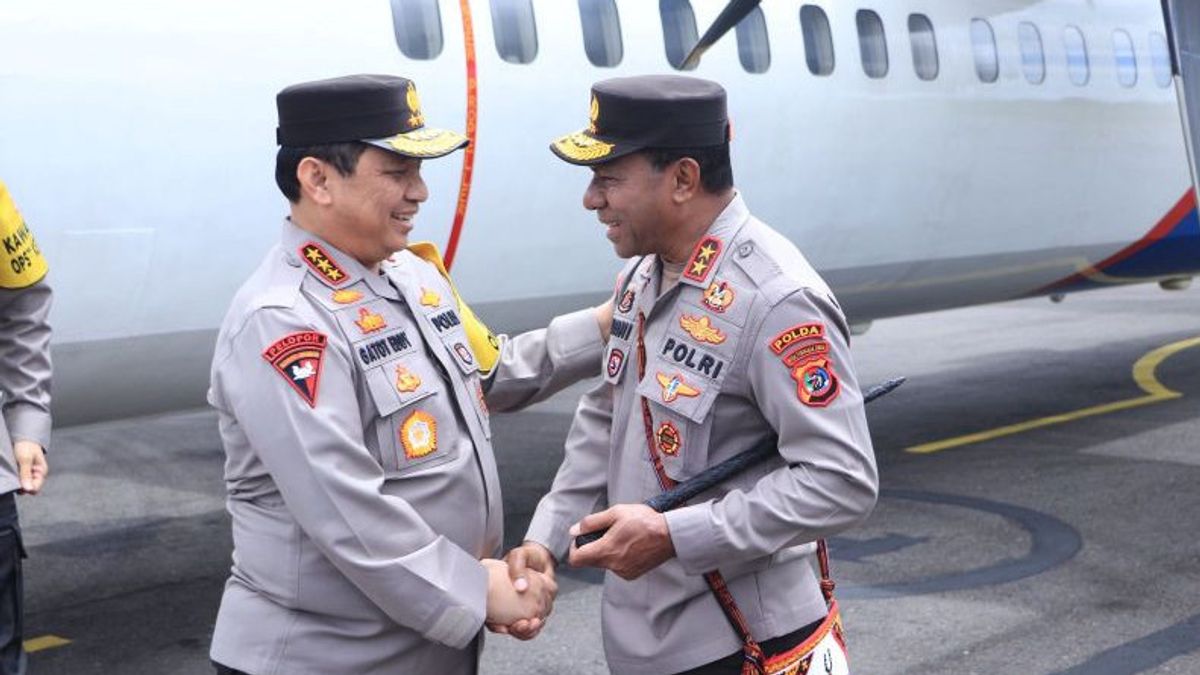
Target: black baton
717,473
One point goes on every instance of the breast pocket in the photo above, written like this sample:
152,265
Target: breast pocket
680,430
415,428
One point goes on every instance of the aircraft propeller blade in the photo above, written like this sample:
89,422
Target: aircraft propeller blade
729,17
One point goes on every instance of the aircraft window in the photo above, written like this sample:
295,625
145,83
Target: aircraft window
679,30
872,43
1126,60
983,43
1160,58
1077,58
418,28
754,50
514,30
601,32
818,40
1033,59
924,46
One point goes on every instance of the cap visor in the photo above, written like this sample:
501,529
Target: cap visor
423,143
584,149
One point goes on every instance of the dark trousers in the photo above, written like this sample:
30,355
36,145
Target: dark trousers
732,664
12,629
226,670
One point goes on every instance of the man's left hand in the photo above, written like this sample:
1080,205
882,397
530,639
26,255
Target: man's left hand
31,466
637,540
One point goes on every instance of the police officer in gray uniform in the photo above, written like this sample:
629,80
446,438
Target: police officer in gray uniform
723,336
25,429
353,390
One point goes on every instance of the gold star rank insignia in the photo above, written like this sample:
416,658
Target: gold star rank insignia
322,264
703,257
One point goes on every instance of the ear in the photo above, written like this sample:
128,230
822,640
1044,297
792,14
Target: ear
313,175
685,180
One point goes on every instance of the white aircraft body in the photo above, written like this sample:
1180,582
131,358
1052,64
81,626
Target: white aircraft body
138,141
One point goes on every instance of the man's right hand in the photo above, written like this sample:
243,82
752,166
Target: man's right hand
506,606
524,562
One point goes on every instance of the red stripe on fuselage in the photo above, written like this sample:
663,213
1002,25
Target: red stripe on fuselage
1184,206
468,168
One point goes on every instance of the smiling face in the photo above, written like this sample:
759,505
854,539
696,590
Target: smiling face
372,209
632,200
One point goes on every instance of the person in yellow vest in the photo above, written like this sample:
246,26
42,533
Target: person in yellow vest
25,389
354,388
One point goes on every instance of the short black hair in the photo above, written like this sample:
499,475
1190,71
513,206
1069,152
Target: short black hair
343,157
716,171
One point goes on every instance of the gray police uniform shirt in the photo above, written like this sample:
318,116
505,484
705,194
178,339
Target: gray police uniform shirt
24,373
359,468
750,342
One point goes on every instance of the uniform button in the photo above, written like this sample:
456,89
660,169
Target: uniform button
745,249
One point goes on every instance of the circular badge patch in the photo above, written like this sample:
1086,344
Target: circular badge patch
418,435
669,441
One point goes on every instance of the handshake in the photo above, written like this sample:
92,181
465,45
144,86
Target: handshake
634,540
521,590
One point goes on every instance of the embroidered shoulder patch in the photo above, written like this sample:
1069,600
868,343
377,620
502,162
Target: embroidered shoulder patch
816,383
705,254
322,264
804,352
298,358
796,334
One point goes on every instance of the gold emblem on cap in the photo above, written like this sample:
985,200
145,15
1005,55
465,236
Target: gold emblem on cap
426,142
414,106
594,115
579,146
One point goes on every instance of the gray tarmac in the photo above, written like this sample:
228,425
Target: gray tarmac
1071,545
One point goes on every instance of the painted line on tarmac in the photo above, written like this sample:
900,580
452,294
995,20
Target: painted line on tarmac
1144,653
1143,374
45,642
1052,543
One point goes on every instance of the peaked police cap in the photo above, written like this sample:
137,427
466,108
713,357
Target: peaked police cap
382,110
649,111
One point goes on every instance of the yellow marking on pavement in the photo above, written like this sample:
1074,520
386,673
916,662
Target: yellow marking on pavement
1143,374
38,644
